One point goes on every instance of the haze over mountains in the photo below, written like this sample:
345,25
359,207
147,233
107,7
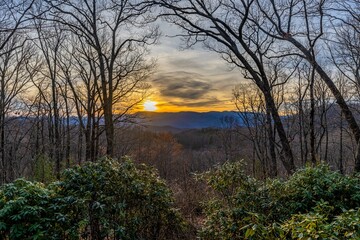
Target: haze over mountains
192,120
174,120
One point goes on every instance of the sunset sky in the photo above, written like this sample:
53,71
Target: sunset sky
190,80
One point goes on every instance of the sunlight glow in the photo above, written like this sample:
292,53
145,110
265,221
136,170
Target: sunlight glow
150,106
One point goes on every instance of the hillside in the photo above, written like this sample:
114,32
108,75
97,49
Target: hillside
192,120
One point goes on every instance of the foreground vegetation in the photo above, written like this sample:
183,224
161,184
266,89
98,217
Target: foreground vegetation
114,199
314,203
105,200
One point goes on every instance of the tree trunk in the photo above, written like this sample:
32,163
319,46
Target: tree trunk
354,127
2,132
109,130
272,165
80,143
341,166
287,156
312,119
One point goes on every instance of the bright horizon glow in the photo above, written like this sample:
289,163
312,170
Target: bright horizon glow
150,106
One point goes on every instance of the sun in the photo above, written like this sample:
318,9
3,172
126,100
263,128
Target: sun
150,106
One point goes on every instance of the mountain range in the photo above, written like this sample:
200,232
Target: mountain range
193,120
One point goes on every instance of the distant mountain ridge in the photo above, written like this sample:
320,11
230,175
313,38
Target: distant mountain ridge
192,120
174,121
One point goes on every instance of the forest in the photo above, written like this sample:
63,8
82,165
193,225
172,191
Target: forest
76,162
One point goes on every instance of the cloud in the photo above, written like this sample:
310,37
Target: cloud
186,89
184,85
187,63
194,78
202,103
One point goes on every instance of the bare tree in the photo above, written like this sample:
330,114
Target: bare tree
14,79
305,111
345,48
14,16
49,41
116,34
302,24
226,28
250,103
227,136
78,70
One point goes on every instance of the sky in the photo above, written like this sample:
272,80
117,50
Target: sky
190,80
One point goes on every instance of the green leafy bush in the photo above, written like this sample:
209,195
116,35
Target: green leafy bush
317,225
309,186
347,225
24,210
116,200
104,200
312,204
236,212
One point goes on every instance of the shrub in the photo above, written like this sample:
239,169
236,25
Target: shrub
105,200
312,203
316,225
24,210
309,186
347,225
235,212
115,199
